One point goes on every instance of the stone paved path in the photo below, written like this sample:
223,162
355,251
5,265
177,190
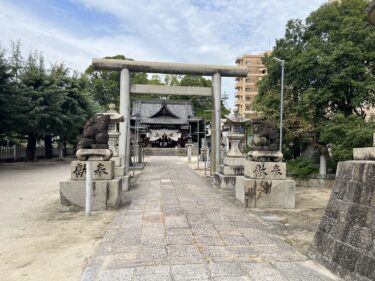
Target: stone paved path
176,226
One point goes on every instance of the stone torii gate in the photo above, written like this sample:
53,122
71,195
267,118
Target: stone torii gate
127,66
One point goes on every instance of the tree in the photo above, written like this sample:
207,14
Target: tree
32,78
344,133
11,104
329,69
104,85
202,105
73,106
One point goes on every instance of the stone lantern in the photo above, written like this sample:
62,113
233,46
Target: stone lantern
113,132
234,159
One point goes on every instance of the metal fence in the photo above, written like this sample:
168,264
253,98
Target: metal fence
17,153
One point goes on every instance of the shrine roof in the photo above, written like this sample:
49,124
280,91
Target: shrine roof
163,112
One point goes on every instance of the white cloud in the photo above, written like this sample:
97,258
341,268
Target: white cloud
199,31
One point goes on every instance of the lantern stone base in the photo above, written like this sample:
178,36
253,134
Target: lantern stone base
107,194
224,181
231,170
119,171
263,193
125,183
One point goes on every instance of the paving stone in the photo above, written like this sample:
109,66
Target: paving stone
190,272
183,251
226,270
123,274
235,240
241,278
147,253
180,240
154,277
299,272
264,272
210,240
215,251
152,270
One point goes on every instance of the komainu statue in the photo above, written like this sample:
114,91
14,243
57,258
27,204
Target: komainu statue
266,136
265,142
95,133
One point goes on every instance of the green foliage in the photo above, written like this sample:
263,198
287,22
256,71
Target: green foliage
345,133
36,102
201,105
329,68
301,168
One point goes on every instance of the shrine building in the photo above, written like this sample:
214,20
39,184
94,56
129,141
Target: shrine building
164,123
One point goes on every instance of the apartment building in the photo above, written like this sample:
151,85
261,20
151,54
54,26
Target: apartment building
247,88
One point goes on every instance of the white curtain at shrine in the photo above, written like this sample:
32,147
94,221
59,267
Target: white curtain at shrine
157,134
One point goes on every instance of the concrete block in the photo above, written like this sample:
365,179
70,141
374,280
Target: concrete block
101,170
364,153
233,161
106,194
265,170
125,183
231,170
266,193
117,161
114,193
224,181
240,189
119,171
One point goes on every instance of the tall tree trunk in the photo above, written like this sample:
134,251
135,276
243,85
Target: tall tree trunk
31,147
48,147
64,149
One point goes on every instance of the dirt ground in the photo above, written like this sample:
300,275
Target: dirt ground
297,226
38,242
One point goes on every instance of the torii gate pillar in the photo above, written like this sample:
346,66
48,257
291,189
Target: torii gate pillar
124,142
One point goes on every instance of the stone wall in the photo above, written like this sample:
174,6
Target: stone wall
344,242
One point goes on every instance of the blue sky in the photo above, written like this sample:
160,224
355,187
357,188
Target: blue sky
192,31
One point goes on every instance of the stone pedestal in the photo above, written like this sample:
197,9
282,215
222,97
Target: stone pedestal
107,194
264,185
107,191
232,164
265,193
189,148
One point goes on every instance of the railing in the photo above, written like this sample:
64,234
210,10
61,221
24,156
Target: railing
17,153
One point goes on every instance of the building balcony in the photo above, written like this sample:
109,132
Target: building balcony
238,85
239,60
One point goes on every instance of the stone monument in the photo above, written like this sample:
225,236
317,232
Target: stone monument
264,184
345,239
93,146
232,166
